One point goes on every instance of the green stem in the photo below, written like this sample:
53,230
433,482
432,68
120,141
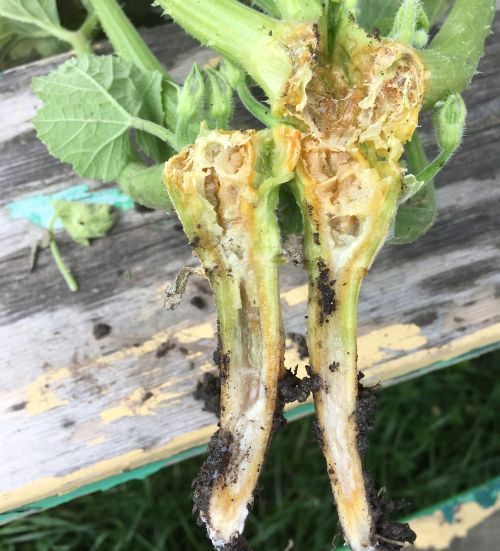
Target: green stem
61,265
257,109
164,134
453,55
126,41
89,26
81,44
415,154
268,6
300,10
250,39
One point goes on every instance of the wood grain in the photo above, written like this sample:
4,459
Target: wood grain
75,409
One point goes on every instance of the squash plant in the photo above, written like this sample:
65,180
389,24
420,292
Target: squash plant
346,82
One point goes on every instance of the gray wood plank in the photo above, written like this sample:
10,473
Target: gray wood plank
75,409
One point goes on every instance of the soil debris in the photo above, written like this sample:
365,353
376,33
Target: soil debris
239,543
101,330
199,302
221,358
164,349
208,392
365,413
301,343
389,534
212,471
327,300
292,388
318,433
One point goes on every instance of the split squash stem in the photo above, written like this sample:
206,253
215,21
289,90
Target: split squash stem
225,190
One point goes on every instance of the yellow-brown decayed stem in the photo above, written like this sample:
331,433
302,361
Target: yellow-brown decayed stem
348,184
226,199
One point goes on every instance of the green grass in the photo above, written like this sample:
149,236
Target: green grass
434,437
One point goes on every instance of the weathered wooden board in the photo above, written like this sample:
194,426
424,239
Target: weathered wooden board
75,409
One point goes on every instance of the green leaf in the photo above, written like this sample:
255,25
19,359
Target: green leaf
145,186
453,55
90,105
415,217
435,9
377,14
32,18
84,221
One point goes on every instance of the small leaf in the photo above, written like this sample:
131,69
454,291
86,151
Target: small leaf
219,100
31,18
145,186
415,217
90,105
84,221
190,108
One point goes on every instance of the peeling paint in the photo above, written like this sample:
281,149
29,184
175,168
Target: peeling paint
38,209
380,344
96,441
295,296
436,532
141,402
41,396
50,486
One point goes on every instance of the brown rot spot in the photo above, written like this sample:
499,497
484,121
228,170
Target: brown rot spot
325,285
208,391
18,407
101,330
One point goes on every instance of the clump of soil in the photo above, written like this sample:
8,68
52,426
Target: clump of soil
199,302
208,391
365,414
101,330
212,470
292,388
389,534
327,300
239,543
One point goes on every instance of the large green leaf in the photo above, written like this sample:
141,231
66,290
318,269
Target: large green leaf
435,9
32,18
90,105
377,14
